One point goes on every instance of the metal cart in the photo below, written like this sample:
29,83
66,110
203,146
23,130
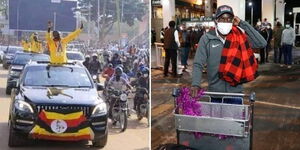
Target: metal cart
235,121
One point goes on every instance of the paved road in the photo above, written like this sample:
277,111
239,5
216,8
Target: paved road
136,137
277,110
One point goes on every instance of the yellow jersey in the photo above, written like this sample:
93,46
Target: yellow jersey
26,46
57,49
34,45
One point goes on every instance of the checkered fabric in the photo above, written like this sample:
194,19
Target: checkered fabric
238,64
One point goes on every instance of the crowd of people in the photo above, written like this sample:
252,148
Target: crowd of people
184,40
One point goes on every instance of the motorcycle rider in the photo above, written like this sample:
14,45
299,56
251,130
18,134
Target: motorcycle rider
95,66
86,62
116,60
117,82
142,85
108,72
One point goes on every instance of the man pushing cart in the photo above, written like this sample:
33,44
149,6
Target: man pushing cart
223,120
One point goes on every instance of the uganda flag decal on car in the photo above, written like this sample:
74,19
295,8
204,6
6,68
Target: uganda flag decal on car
62,127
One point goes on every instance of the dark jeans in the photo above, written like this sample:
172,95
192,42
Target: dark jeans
184,55
171,54
277,55
267,51
227,100
262,55
287,53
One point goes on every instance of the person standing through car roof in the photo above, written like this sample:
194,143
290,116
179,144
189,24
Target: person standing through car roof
57,45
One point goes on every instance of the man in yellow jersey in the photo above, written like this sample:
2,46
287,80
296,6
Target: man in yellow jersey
35,45
25,45
57,45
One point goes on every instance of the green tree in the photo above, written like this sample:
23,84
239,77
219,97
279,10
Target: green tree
130,10
3,7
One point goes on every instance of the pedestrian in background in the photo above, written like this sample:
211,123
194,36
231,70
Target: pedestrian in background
269,38
277,42
185,46
263,31
171,44
287,41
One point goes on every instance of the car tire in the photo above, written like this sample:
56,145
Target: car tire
100,142
15,139
8,91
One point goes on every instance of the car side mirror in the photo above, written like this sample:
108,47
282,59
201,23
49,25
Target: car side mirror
100,87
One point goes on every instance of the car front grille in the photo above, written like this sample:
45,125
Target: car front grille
86,109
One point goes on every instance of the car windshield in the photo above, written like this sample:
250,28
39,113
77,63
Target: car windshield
75,56
13,50
22,59
57,76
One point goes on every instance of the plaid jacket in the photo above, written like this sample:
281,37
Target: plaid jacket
238,64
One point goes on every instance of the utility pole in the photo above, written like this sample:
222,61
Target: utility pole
54,21
89,23
118,19
98,21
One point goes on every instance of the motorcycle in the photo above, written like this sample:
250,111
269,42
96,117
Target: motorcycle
119,111
142,103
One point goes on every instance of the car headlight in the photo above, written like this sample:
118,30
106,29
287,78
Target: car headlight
100,109
14,73
123,97
23,106
8,57
94,77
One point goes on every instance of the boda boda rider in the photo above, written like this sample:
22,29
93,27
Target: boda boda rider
227,52
116,83
57,45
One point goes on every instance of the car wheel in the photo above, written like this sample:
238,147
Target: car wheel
100,142
8,91
15,139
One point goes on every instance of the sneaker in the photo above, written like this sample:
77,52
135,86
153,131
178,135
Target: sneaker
281,65
289,66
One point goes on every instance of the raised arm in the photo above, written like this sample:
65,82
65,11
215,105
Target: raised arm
73,35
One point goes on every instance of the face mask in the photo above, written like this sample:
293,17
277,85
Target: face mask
145,75
268,27
196,29
287,26
206,30
258,23
224,28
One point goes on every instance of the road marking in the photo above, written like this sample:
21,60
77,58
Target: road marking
278,105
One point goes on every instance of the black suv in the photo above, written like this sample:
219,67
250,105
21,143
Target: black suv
9,54
18,63
57,102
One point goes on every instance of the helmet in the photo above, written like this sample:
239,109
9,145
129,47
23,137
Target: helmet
119,71
95,55
87,56
110,65
145,70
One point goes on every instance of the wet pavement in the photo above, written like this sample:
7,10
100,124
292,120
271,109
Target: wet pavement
277,106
